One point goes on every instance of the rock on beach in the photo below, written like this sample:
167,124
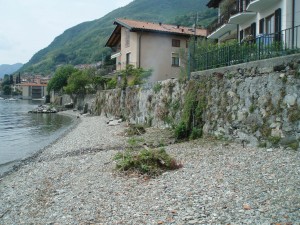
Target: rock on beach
44,109
73,182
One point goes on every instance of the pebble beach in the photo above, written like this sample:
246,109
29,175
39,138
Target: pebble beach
73,181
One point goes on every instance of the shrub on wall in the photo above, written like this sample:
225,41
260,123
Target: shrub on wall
195,102
112,83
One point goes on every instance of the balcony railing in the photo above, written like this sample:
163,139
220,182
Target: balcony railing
251,49
222,19
231,10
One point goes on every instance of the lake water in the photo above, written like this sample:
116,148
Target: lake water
23,133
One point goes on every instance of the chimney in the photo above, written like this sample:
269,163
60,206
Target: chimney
178,26
159,23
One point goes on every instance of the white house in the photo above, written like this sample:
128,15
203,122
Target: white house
238,19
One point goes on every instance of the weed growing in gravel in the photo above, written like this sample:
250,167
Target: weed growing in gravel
294,145
134,142
135,129
150,162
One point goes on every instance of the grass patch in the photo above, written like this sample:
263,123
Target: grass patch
294,145
151,162
294,114
274,140
252,108
135,129
262,145
157,87
196,133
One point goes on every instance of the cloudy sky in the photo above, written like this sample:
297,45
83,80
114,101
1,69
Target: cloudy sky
27,26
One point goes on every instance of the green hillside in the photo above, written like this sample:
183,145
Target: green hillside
85,42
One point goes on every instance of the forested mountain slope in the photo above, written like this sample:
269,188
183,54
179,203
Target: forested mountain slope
85,42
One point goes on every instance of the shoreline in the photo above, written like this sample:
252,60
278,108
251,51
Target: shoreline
73,181
15,165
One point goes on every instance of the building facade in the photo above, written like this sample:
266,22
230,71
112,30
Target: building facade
32,90
154,46
239,19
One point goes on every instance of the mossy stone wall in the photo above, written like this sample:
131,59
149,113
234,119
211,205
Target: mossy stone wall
257,103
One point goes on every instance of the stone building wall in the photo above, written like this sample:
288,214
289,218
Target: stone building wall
257,103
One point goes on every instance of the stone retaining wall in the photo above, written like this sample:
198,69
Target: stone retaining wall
257,103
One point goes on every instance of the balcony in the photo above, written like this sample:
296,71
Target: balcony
115,55
263,46
222,25
242,17
234,14
260,5
226,27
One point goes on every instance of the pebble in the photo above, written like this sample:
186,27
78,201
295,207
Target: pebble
73,182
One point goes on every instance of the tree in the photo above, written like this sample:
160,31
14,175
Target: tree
18,79
6,80
6,85
78,83
6,90
11,79
60,78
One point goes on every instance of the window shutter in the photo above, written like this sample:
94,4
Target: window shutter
241,35
253,29
261,26
241,6
237,5
278,24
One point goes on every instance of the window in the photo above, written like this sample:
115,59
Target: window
253,30
277,29
175,59
127,38
241,35
175,43
262,26
128,58
247,31
270,24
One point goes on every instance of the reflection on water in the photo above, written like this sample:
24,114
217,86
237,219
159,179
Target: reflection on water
23,133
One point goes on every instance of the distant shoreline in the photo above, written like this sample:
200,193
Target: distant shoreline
12,166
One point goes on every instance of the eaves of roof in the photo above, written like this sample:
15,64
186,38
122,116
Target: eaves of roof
140,26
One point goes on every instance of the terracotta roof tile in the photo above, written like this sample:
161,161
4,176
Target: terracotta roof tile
160,27
33,84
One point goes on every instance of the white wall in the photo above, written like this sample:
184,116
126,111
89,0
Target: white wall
297,13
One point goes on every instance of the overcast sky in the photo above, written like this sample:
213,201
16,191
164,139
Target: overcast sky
27,26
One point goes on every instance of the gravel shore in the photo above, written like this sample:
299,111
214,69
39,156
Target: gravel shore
73,182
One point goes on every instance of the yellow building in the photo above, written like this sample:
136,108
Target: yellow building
150,45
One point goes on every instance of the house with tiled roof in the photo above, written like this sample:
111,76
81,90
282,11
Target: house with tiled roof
148,45
278,20
31,90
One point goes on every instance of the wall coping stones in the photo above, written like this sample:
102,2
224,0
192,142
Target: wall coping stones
264,66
